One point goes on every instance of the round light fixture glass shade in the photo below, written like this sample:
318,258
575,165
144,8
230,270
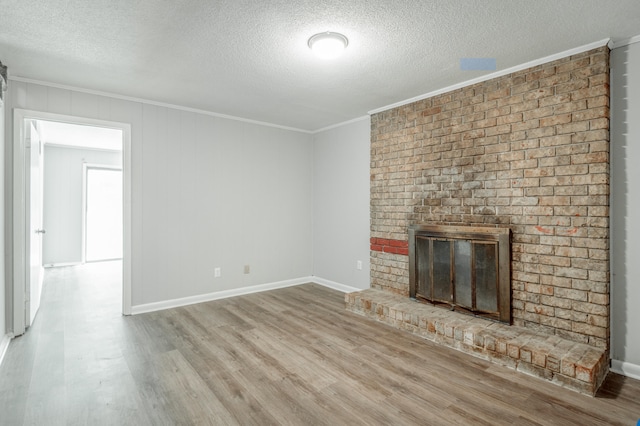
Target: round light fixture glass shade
328,45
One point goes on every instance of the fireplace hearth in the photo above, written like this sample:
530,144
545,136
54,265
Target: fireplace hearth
464,268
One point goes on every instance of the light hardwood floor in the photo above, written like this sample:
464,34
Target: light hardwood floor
293,356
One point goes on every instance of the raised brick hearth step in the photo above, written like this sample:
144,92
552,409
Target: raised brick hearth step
573,365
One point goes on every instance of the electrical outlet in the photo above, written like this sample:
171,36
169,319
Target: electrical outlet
247,269
359,265
217,272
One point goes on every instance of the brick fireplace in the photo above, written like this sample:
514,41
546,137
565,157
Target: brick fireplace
528,151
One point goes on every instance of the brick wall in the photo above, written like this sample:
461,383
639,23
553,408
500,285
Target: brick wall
530,151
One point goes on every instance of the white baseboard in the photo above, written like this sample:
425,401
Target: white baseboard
4,345
626,369
334,285
61,265
174,303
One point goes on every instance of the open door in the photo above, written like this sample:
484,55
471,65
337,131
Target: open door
27,218
26,213
33,292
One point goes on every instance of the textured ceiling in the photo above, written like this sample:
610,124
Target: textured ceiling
250,58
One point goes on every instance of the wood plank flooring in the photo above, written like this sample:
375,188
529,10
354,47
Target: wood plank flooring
287,357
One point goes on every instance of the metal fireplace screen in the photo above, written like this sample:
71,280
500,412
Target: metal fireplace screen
466,268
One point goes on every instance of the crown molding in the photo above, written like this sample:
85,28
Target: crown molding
625,42
344,123
154,103
496,74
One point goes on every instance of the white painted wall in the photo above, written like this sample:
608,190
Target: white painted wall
3,322
341,204
206,192
62,243
625,209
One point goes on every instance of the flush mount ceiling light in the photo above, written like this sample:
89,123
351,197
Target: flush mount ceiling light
328,45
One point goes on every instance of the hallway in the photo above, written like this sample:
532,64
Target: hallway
71,353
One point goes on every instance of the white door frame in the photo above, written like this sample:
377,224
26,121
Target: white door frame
20,215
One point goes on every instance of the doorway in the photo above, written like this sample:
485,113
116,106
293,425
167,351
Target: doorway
102,219
22,176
